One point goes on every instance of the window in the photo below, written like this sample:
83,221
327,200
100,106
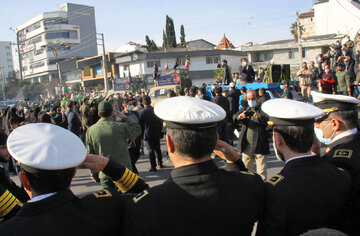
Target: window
313,28
305,29
55,35
9,60
305,21
8,54
10,66
87,71
181,61
305,52
126,67
24,68
150,64
35,40
312,19
292,54
33,27
38,52
55,21
212,60
37,65
7,47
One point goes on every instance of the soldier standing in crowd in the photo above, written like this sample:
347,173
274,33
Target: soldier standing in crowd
108,138
302,196
247,72
226,73
85,117
342,81
305,77
198,198
47,168
338,129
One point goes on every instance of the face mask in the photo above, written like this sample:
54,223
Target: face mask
278,154
224,94
320,135
243,64
327,70
282,87
252,103
131,107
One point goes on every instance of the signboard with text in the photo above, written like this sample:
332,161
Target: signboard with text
121,86
166,80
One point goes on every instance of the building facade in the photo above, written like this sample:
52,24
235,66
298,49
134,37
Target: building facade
201,69
6,61
307,21
287,52
56,36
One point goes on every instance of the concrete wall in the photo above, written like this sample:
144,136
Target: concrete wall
337,16
6,59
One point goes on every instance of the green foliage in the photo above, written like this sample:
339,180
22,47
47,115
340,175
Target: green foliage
182,37
294,30
170,33
150,44
164,40
218,73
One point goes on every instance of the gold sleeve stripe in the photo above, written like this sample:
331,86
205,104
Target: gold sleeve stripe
130,180
6,199
126,173
8,209
9,204
127,178
124,187
6,193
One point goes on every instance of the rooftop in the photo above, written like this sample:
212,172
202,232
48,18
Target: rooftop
224,44
307,15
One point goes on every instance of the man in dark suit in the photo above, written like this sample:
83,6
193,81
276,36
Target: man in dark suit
301,196
247,72
222,126
151,127
47,168
227,77
198,198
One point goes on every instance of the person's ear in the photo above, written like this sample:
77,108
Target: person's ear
169,144
335,124
24,181
279,140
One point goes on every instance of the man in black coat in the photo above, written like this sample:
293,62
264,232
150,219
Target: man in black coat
247,72
198,198
222,126
53,208
73,118
308,193
253,140
227,77
151,127
338,129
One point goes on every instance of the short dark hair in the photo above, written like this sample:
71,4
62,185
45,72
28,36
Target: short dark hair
70,104
243,89
350,117
218,90
171,93
50,181
45,118
298,138
262,90
105,113
224,61
193,90
146,100
202,90
3,138
194,143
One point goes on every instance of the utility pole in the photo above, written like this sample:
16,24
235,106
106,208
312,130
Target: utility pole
18,49
106,83
299,38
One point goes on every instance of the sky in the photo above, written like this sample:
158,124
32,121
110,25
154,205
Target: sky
121,21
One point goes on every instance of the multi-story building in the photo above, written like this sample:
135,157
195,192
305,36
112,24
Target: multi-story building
56,36
6,61
308,23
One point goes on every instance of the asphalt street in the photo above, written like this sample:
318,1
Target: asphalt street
82,184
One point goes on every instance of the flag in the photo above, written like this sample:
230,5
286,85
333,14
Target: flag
187,62
167,66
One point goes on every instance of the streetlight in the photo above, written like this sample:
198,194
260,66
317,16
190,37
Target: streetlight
18,49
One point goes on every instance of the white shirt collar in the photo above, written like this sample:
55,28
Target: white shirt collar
298,157
41,197
344,134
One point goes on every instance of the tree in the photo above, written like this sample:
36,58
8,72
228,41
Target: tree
164,40
148,42
153,46
294,30
170,33
182,37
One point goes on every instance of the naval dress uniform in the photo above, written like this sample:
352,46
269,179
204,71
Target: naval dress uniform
62,213
308,193
344,152
199,198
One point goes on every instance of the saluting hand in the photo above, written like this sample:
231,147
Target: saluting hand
94,163
226,152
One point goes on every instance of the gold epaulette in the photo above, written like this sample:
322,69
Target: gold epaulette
275,179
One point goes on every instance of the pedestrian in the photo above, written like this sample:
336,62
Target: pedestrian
227,79
287,91
47,168
222,126
301,196
338,129
246,71
305,81
108,138
73,119
197,196
85,117
253,140
327,82
342,81
151,127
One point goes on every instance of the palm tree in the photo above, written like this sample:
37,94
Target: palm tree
294,30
